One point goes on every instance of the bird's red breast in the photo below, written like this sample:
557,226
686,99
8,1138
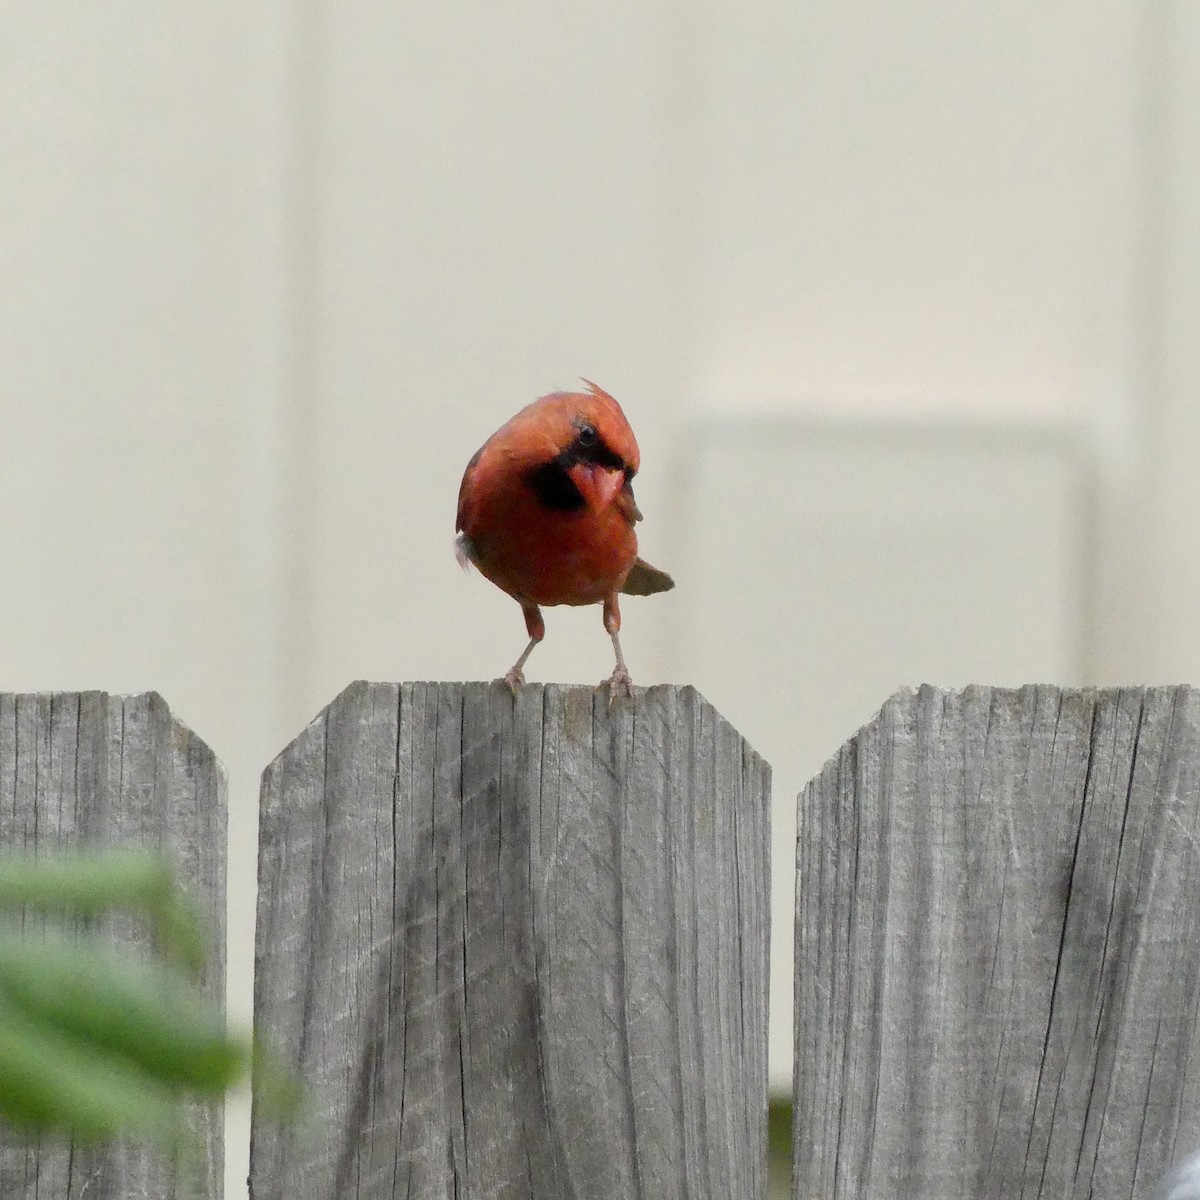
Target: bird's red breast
546,508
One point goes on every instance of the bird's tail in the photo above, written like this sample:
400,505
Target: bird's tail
645,580
464,551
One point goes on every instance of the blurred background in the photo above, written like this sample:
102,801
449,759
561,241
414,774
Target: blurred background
903,302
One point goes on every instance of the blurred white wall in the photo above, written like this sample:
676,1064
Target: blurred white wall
271,273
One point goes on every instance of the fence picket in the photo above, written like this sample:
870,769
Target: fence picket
997,932
517,948
93,769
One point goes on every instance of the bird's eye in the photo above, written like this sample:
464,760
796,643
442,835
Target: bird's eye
587,435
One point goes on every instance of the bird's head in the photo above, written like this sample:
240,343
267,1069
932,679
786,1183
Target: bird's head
586,452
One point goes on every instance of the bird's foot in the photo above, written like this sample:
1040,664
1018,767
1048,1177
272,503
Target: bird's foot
515,680
618,684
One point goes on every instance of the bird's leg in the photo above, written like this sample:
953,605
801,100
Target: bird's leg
618,682
536,628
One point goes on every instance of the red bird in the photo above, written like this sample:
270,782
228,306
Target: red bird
546,512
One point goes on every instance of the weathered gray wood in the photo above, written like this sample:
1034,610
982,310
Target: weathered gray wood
517,948
998,948
92,769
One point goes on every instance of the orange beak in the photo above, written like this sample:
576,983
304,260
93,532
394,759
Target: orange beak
598,485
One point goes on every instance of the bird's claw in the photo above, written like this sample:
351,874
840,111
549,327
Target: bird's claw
618,684
515,680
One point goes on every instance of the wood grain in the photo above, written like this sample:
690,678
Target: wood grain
93,769
998,948
517,948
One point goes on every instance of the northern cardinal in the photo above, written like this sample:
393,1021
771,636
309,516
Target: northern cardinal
546,512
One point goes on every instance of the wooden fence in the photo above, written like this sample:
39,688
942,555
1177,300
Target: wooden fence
519,948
